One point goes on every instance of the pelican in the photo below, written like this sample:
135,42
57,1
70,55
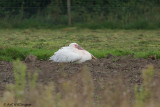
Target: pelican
72,53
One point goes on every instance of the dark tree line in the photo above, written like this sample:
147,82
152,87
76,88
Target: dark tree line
81,10
30,7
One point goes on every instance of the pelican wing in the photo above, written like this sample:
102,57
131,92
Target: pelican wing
65,54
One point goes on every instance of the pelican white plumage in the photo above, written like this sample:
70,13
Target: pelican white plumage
72,53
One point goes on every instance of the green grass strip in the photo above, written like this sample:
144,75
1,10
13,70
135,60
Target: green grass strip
10,54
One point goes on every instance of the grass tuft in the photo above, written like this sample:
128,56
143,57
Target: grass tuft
144,94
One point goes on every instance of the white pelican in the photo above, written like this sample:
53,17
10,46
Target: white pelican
72,53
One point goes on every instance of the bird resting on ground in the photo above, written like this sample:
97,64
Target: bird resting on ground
72,53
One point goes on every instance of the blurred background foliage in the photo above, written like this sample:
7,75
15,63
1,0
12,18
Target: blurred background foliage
113,14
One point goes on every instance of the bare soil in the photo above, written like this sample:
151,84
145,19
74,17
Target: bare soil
106,69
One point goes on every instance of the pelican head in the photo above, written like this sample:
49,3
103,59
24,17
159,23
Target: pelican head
75,45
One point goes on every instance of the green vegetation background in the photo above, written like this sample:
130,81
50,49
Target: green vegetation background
93,14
